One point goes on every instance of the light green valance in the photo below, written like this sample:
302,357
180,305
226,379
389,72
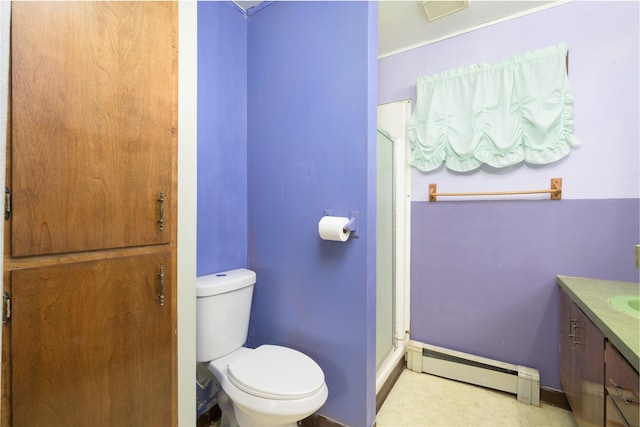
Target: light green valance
498,114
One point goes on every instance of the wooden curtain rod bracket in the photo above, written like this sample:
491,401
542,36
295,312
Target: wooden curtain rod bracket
556,188
432,192
555,192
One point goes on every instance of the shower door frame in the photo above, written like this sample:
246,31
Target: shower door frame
394,118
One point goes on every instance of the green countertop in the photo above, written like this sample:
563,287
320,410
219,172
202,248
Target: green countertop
592,296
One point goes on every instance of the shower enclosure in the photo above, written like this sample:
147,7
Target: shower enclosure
392,237
385,250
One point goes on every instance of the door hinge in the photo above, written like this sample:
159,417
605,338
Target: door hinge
6,307
7,203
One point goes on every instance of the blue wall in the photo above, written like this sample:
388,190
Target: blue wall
286,129
222,137
311,133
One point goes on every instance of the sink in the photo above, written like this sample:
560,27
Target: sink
629,304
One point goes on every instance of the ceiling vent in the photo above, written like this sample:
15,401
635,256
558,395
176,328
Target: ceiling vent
437,9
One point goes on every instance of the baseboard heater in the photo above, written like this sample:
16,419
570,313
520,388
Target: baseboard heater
455,365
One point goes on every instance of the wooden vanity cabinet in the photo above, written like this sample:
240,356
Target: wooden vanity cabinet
581,364
622,384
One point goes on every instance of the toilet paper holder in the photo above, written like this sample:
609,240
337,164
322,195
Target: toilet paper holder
352,225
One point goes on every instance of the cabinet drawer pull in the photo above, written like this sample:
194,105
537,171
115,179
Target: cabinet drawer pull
161,211
160,295
575,340
621,416
572,324
7,203
619,389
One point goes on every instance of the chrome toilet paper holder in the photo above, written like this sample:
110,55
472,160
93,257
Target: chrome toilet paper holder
354,222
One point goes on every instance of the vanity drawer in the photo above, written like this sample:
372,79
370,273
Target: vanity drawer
621,382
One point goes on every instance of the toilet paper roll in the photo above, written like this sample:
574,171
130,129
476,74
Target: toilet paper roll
333,228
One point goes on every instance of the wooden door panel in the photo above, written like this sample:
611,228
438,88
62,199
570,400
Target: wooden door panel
91,344
622,389
568,357
93,124
591,372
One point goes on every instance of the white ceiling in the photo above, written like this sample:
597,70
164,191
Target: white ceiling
403,24
247,4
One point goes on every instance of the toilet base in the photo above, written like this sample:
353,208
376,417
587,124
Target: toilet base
228,418
232,417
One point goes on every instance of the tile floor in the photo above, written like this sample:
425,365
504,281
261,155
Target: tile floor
422,400
418,400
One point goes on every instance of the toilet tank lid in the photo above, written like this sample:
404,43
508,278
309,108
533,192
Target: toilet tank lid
225,281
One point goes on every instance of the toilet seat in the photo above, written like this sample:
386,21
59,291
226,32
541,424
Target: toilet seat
275,372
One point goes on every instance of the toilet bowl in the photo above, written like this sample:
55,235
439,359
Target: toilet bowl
270,386
267,386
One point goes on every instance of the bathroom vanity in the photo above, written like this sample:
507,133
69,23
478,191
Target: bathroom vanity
599,352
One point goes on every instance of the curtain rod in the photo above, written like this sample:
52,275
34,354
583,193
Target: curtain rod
555,192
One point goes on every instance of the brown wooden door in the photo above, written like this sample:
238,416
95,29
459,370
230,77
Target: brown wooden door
93,124
91,344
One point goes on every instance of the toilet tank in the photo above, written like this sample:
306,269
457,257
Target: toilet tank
223,305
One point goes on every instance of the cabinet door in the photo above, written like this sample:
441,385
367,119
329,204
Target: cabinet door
590,364
581,364
623,390
569,376
93,124
91,344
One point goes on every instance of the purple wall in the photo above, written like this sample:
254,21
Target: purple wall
311,134
483,272
222,137
603,38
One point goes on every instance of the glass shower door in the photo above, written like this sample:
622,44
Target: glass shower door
385,249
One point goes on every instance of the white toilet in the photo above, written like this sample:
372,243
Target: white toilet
267,386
